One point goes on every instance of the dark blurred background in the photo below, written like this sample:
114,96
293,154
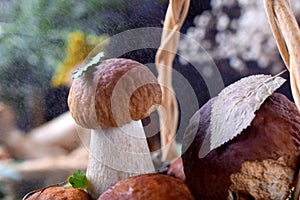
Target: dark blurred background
35,47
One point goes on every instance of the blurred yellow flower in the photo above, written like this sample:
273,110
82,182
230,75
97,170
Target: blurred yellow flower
78,48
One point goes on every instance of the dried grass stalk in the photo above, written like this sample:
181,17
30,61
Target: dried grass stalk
168,112
287,35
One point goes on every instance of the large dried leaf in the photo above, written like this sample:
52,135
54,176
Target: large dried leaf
234,108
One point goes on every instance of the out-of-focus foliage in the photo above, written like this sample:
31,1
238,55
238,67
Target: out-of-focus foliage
78,47
30,47
33,39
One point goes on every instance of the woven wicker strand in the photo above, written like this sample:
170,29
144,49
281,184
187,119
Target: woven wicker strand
168,112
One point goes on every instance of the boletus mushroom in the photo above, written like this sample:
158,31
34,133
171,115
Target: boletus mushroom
59,193
148,186
110,99
259,163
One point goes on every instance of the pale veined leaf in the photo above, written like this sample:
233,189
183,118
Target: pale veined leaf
89,63
234,108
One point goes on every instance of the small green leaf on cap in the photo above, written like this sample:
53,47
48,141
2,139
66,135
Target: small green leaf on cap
78,179
89,63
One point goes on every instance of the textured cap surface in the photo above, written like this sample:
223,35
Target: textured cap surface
148,186
60,193
260,163
113,93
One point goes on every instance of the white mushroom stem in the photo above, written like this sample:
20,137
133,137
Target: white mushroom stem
115,154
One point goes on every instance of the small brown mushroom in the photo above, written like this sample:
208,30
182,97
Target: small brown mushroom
176,169
110,99
148,186
260,163
60,193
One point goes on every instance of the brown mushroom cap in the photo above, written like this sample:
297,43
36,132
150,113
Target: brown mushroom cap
148,186
113,93
60,193
260,163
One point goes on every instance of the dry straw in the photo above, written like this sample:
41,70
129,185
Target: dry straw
168,112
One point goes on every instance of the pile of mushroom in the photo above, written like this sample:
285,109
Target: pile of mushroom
242,144
110,97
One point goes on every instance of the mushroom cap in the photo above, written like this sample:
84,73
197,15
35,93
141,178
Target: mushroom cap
260,163
60,193
113,93
148,186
